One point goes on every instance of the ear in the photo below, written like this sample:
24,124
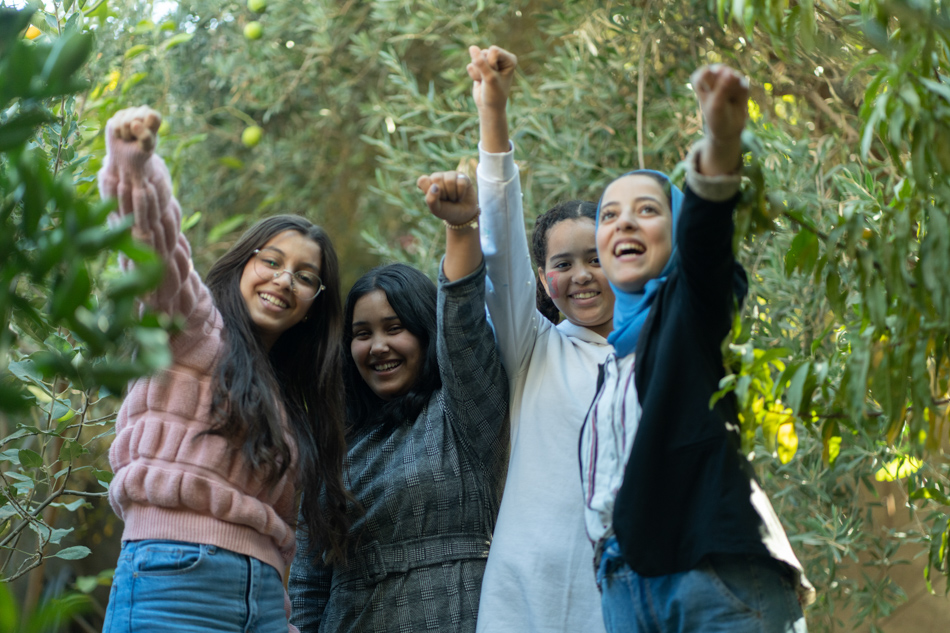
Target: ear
544,281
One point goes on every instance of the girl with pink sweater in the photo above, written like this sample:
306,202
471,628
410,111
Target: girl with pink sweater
208,453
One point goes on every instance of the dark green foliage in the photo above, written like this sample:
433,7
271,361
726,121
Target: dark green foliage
68,319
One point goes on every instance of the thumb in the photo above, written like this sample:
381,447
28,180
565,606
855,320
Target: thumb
433,199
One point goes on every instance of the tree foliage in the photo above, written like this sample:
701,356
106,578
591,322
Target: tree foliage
839,358
69,325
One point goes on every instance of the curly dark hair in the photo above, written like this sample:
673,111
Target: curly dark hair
570,210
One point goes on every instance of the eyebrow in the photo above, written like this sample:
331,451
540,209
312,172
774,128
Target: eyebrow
590,250
283,254
385,318
635,200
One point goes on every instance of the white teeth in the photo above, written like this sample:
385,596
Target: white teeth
386,366
628,247
585,295
274,300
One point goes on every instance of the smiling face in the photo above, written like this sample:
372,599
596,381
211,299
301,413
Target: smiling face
573,278
635,232
387,355
273,305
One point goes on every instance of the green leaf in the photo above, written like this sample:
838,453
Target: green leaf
225,227
76,552
69,53
132,81
21,128
175,40
9,609
135,51
798,393
70,291
30,459
70,451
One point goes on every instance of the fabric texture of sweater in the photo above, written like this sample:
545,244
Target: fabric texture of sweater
686,490
429,490
538,577
171,482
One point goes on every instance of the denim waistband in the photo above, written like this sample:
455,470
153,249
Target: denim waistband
373,562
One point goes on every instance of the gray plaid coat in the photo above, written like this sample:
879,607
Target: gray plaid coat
430,490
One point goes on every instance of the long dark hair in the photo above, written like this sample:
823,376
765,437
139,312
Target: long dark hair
301,378
570,210
412,296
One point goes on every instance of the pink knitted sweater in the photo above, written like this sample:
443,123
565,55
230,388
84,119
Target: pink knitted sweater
170,483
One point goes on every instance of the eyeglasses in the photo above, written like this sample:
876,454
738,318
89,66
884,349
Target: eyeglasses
304,283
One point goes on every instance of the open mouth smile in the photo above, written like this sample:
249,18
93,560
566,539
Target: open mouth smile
629,247
587,294
386,366
273,300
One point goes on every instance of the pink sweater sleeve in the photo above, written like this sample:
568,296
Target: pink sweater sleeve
142,185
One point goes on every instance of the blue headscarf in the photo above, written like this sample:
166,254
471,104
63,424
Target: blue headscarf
631,308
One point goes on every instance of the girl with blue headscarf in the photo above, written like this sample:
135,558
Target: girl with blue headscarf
685,539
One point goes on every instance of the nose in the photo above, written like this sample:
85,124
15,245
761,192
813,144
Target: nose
627,221
378,346
279,279
582,275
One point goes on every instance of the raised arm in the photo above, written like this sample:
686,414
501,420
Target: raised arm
492,70
724,99
512,283
704,235
451,197
139,180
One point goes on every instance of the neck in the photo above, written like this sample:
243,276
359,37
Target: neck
604,328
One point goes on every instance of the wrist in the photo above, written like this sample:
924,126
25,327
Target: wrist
722,155
468,225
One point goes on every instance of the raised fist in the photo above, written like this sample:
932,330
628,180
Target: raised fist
491,70
136,125
450,196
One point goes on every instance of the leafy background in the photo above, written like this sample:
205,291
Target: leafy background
839,358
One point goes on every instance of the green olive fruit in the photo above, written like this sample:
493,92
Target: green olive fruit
252,135
253,30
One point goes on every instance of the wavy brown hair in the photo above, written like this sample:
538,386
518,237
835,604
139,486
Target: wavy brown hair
300,378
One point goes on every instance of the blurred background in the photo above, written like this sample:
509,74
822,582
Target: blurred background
330,109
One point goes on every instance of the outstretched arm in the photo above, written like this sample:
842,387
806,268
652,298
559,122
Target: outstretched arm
451,197
492,70
724,99
704,233
140,181
512,282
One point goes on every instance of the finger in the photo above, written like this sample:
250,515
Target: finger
423,183
474,73
137,128
501,59
492,56
147,141
462,186
153,120
433,198
474,52
703,80
450,184
125,133
437,180
483,65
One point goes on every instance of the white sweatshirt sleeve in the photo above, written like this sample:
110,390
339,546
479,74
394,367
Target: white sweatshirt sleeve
511,281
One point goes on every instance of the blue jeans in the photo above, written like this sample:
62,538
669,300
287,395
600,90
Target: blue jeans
724,593
188,587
